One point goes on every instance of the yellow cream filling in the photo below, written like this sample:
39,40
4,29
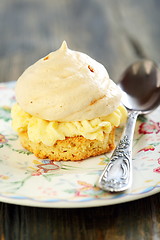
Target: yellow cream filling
48,132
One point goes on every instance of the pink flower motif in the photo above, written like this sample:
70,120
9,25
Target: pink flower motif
85,189
49,191
157,170
148,148
48,167
37,173
2,139
149,127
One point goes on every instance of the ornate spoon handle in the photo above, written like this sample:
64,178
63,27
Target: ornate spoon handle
117,175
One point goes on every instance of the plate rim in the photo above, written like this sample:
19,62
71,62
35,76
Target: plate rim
69,203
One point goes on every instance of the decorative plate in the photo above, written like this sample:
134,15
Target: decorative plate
27,180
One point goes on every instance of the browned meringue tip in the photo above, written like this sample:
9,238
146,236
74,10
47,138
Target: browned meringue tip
64,46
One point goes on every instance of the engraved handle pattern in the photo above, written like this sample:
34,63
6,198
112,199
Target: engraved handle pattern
117,176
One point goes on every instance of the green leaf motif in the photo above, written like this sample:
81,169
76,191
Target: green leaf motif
21,151
5,113
142,118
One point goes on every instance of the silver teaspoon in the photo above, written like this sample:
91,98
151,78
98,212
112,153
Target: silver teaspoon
141,94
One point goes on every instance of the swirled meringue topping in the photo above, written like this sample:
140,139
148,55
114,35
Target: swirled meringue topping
67,85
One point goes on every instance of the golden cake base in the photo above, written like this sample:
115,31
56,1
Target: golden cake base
72,148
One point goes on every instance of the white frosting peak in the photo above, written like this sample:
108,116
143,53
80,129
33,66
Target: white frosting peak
67,85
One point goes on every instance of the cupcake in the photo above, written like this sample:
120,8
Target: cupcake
67,107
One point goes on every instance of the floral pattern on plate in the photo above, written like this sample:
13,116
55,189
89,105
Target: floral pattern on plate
27,180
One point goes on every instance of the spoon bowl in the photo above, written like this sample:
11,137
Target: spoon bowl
140,84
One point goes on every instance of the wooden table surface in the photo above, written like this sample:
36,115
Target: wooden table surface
113,32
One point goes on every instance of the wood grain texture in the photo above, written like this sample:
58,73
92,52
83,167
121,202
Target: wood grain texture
135,220
115,33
